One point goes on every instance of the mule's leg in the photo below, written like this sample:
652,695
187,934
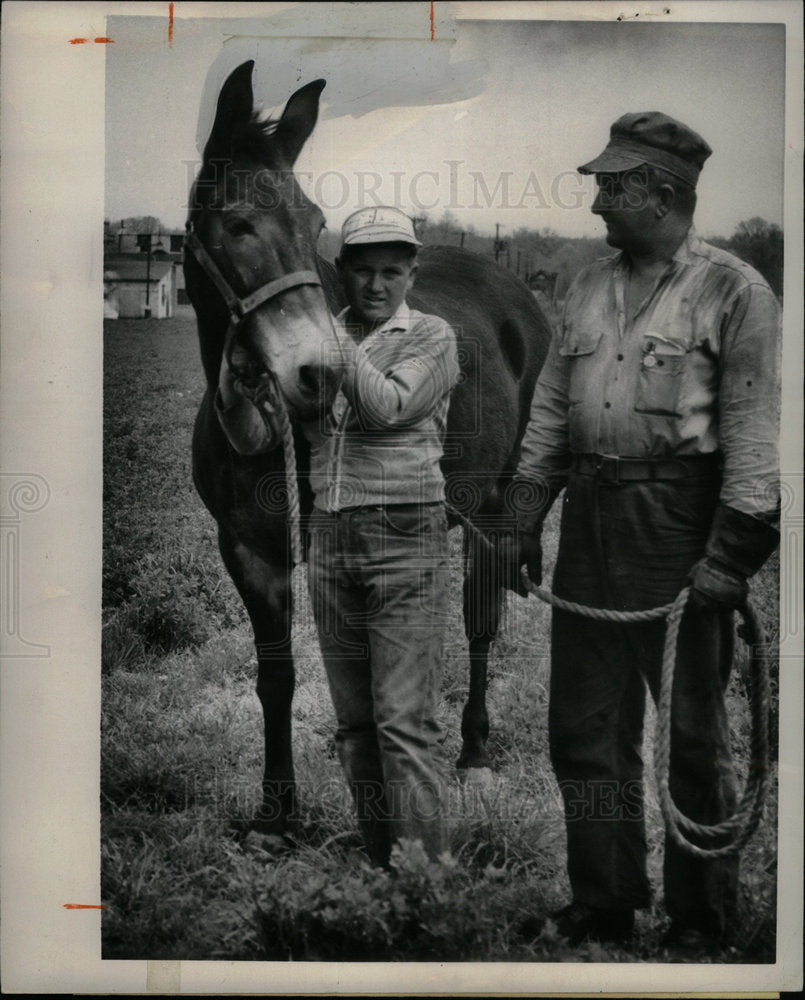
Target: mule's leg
265,590
482,601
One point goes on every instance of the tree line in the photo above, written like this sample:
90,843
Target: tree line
545,260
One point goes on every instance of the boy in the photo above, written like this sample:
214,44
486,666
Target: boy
378,559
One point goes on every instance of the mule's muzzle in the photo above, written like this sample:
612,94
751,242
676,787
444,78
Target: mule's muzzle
318,384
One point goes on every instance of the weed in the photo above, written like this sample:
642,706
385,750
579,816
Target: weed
419,910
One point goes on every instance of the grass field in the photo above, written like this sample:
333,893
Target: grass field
182,750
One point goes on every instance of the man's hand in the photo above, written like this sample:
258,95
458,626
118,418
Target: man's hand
714,587
531,555
513,552
508,556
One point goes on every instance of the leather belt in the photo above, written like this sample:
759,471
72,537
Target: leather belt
612,469
380,506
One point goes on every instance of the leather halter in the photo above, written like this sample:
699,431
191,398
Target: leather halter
241,307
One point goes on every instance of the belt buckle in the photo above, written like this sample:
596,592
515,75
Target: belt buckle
606,462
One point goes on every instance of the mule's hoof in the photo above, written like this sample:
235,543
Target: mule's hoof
265,844
478,777
477,760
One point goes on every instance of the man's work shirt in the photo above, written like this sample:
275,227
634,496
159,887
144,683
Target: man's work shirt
384,439
695,371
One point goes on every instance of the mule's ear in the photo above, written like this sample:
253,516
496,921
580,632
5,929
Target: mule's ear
235,105
298,121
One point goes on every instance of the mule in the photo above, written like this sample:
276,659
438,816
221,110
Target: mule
251,265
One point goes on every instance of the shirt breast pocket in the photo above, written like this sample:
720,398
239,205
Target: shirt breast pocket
579,347
659,382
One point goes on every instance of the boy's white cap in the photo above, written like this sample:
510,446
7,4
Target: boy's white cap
381,224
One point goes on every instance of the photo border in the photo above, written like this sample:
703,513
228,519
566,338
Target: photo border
52,115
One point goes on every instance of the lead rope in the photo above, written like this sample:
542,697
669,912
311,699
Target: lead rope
746,818
289,455
291,483
744,821
276,408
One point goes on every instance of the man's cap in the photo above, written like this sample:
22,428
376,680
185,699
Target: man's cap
381,224
654,138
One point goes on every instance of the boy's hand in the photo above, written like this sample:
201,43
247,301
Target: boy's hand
259,390
239,380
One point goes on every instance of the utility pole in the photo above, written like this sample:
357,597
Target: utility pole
500,244
148,278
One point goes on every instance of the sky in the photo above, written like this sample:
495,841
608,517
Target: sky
489,119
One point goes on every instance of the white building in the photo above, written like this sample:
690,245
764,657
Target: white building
135,287
143,273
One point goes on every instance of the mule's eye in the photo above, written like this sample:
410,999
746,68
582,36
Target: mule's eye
238,227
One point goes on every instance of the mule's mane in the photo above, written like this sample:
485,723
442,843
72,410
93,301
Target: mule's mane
251,141
254,139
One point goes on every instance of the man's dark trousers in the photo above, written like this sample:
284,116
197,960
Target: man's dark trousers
629,546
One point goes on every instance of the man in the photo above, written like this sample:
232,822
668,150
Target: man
657,409
378,561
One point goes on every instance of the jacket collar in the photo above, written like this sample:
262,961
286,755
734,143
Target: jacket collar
688,252
400,321
690,249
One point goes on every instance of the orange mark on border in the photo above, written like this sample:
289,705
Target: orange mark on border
83,41
170,25
432,29
83,906
107,41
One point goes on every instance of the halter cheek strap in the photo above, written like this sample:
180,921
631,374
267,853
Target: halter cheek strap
241,307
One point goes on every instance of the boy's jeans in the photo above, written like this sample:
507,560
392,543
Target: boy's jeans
379,584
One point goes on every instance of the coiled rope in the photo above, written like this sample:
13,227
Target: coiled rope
740,826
